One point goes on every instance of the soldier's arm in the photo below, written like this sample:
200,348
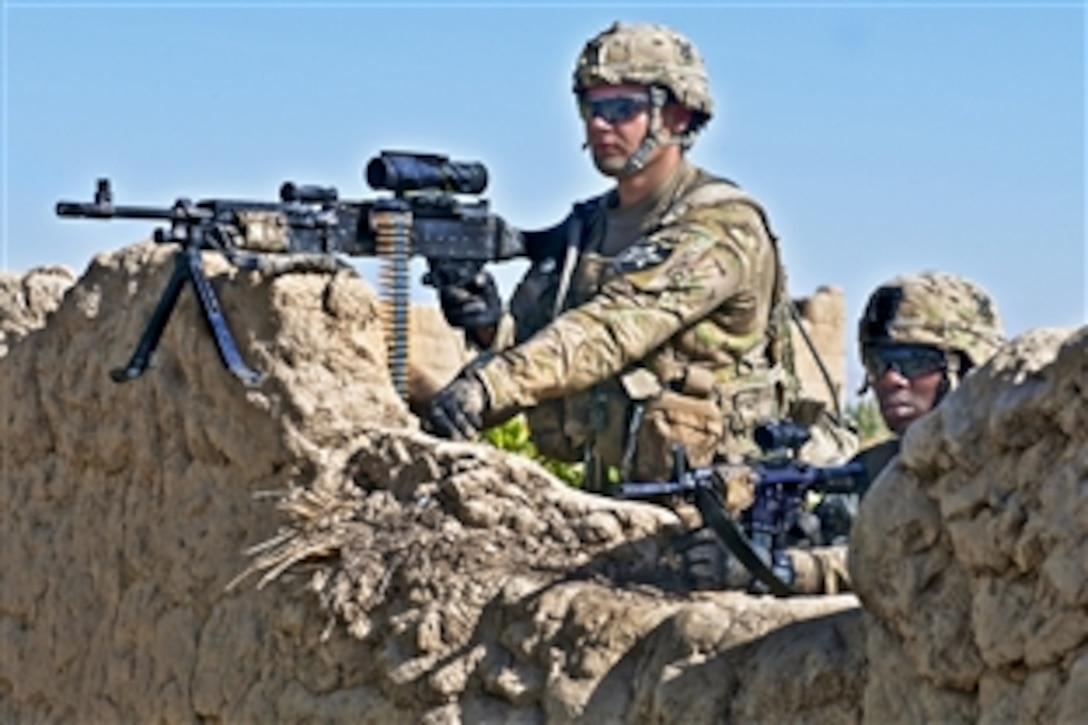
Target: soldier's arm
820,570
690,269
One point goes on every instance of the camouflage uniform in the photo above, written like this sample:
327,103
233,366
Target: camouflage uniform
664,332
668,313
661,324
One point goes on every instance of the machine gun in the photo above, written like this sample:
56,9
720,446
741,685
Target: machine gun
778,484
310,226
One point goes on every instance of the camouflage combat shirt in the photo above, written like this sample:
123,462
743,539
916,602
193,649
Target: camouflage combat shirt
681,286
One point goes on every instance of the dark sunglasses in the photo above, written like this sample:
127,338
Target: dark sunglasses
612,110
910,361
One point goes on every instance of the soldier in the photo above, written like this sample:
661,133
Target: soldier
918,337
661,323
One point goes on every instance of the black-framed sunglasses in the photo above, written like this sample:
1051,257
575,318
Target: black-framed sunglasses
910,361
612,110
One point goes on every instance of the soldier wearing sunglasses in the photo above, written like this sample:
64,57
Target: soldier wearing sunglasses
662,321
918,336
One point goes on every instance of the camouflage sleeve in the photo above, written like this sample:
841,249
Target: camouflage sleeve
820,570
663,284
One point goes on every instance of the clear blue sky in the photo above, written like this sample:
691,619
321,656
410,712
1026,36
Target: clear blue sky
882,137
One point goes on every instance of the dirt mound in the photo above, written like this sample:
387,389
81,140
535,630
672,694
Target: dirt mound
180,547
972,551
452,581
127,508
27,299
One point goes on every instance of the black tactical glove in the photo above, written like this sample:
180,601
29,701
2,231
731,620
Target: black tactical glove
706,563
457,410
473,304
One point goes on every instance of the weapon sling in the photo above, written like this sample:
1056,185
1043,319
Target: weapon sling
711,506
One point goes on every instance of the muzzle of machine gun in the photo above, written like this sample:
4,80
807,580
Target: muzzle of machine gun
399,172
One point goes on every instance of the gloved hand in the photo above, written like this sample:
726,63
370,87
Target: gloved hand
706,563
457,410
471,305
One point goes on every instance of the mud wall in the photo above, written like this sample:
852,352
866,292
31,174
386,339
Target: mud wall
183,548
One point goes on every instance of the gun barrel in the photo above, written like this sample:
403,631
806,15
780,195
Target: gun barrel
842,479
830,479
109,211
648,489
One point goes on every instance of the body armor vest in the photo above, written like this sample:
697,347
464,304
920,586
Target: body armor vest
705,389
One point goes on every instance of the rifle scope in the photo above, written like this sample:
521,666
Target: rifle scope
406,171
307,193
780,434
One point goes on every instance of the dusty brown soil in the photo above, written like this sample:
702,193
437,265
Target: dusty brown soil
182,549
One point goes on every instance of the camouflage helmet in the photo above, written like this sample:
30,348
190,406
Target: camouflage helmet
650,55
933,308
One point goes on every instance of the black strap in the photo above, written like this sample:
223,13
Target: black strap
711,506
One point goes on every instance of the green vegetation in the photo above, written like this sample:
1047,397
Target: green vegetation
513,436
865,414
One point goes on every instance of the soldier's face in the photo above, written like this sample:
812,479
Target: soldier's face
616,120
906,382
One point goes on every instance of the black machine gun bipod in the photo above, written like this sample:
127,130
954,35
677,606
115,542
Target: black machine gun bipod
308,228
780,484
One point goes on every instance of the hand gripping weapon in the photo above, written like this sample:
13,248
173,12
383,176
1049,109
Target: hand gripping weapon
779,485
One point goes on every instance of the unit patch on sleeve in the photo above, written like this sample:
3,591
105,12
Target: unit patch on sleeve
641,255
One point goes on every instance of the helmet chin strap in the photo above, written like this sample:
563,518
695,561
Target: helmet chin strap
952,375
658,97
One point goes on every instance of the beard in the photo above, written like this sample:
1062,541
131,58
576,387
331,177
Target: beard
610,165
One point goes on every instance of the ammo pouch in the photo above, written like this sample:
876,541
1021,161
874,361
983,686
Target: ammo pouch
671,419
635,423
562,428
630,422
